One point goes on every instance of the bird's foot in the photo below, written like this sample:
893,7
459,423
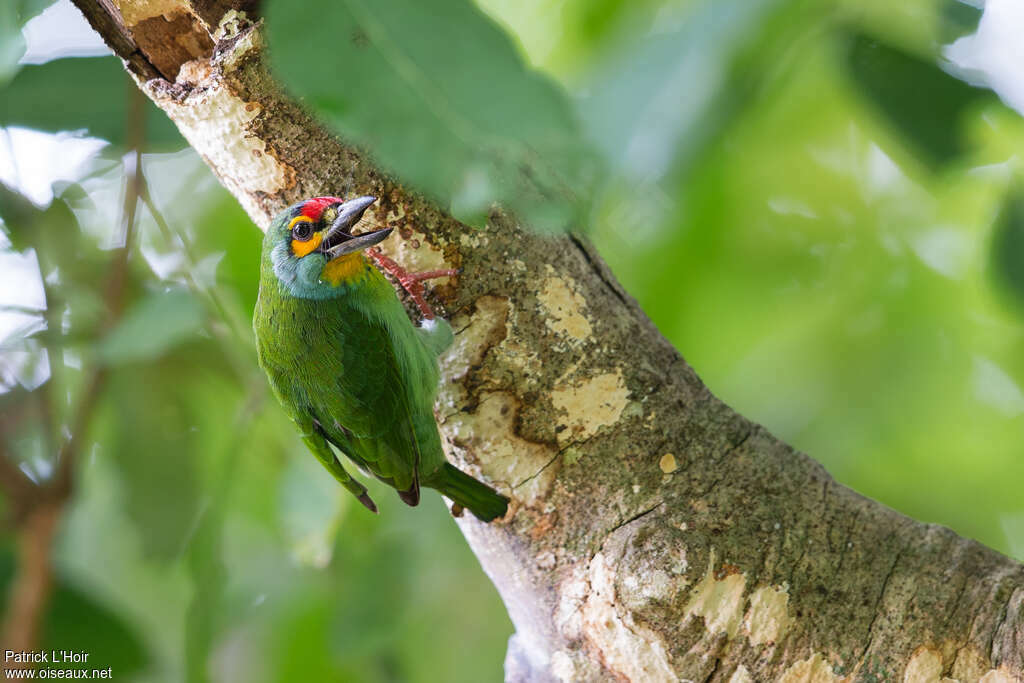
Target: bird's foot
411,282
365,499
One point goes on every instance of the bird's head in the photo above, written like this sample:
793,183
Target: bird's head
311,248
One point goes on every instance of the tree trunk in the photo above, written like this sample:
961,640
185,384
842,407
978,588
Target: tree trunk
654,534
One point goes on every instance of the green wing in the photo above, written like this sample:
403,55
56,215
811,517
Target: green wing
367,415
359,375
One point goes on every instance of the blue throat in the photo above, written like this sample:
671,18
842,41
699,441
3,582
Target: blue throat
300,277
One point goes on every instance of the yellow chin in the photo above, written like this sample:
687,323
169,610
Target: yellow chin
343,269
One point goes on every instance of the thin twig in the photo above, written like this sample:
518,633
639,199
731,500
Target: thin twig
16,485
30,590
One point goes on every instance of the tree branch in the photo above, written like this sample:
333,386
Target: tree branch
739,559
30,590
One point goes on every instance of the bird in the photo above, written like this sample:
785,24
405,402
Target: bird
345,361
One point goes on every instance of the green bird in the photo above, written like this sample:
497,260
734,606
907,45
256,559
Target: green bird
347,364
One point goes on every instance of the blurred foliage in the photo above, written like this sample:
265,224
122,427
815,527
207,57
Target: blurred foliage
13,15
40,96
1008,245
959,18
199,518
925,106
805,201
437,91
74,617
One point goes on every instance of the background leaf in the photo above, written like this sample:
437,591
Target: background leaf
926,105
959,18
1006,252
81,92
76,621
656,102
440,96
155,324
13,16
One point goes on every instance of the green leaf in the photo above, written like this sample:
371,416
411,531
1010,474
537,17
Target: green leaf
75,621
439,95
152,326
52,230
923,103
13,15
150,431
69,259
958,19
665,96
1006,256
81,92
209,578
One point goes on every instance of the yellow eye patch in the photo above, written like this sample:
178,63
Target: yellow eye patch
302,248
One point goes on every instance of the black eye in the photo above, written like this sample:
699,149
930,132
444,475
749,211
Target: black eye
303,231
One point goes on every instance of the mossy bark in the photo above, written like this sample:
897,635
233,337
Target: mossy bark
655,534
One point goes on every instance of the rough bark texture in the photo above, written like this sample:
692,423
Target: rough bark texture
655,534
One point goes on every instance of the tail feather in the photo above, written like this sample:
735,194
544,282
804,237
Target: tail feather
485,503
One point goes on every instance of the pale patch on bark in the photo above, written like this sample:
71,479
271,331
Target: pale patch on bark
718,601
216,123
520,464
590,404
634,653
563,307
655,584
925,666
562,667
741,675
768,617
231,27
485,329
572,592
970,664
812,670
998,676
510,459
667,463
474,239
134,11
410,247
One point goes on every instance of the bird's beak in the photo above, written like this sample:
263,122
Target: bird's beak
338,241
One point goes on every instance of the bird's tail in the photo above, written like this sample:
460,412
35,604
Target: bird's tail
484,502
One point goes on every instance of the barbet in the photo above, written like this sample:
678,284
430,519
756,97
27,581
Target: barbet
345,361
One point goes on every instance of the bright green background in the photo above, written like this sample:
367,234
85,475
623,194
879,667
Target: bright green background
824,224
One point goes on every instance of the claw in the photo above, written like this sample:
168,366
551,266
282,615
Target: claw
411,282
368,502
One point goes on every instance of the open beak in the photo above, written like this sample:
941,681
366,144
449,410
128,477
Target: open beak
339,241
